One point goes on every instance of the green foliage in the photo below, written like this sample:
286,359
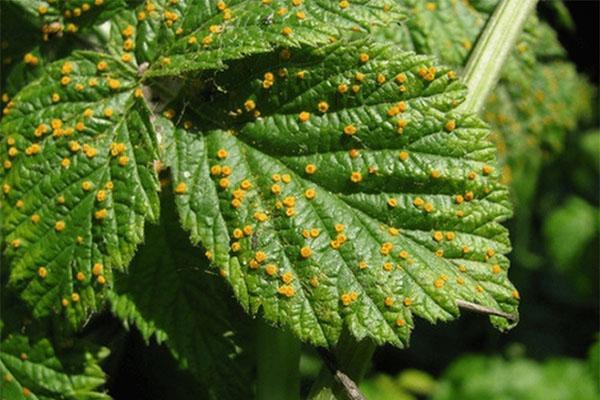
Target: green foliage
568,230
32,369
407,385
169,294
391,237
327,177
480,377
78,182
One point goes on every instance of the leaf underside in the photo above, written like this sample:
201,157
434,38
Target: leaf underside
400,218
78,182
169,294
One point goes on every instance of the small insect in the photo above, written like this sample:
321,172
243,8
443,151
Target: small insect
254,241
268,20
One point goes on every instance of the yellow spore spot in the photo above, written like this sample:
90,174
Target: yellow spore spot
181,188
286,31
102,66
101,214
350,130
304,116
310,193
42,272
108,112
59,226
80,276
418,202
310,169
496,269
305,252
392,202
271,269
450,125
75,297
55,97
386,248
224,183
286,290
87,186
363,57
389,301
356,177
342,88
114,84
407,301
344,4
435,173
487,169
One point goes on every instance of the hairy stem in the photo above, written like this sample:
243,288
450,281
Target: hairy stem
278,358
343,370
492,49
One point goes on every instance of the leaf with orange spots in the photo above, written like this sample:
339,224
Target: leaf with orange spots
78,182
32,369
170,295
188,36
318,226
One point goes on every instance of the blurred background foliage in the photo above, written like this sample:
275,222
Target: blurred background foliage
545,117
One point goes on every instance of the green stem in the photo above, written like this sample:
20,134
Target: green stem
493,47
351,358
278,359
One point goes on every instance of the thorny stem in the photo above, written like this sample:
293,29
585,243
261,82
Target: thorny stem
342,373
492,49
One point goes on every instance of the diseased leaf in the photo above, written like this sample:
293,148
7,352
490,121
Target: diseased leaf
341,188
191,35
33,370
169,294
78,181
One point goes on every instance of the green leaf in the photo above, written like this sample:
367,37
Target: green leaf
169,294
33,370
78,182
191,36
269,158
568,230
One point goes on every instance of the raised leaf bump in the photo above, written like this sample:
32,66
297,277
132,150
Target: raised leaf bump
407,204
78,184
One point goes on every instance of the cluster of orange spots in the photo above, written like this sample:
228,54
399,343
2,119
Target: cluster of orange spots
89,151
35,148
386,248
427,74
389,301
286,290
261,216
348,298
101,214
356,177
181,188
350,130
401,124
450,125
30,59
268,80
397,109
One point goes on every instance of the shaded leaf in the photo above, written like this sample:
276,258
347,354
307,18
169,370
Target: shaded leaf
169,294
